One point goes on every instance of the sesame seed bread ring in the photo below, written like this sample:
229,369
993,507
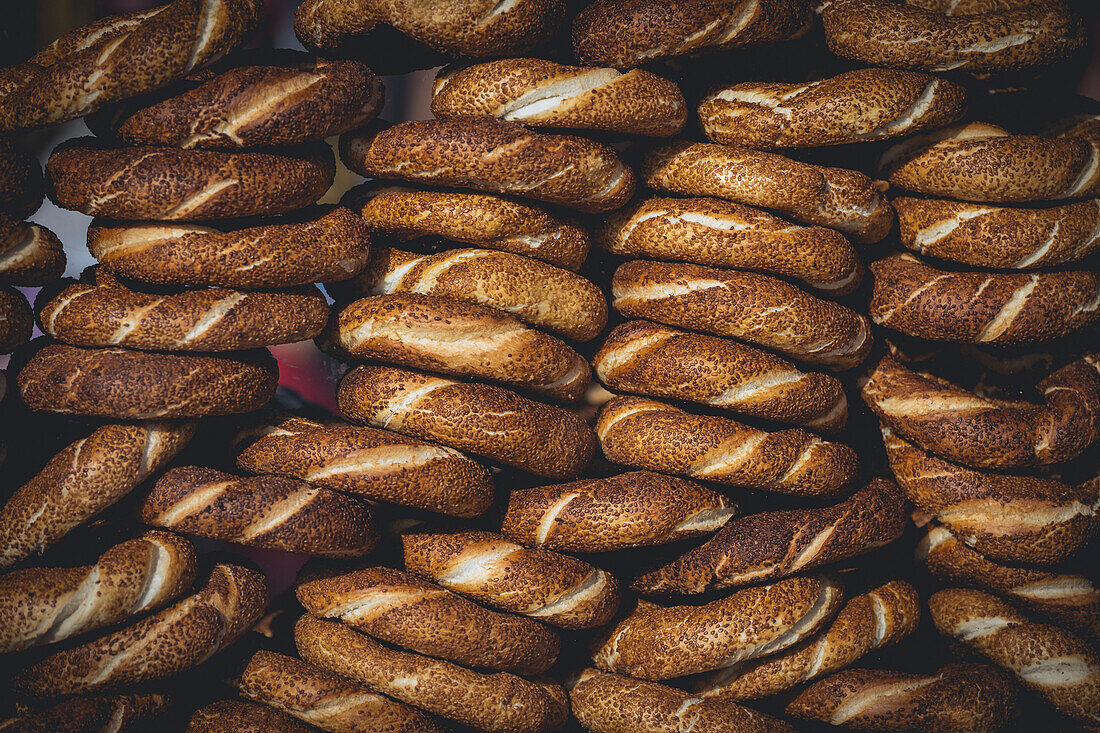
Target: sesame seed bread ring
482,419
164,644
237,716
610,703
80,714
259,106
661,642
120,57
1004,517
880,617
774,544
168,184
270,255
30,254
762,310
1058,666
708,231
485,567
545,94
21,190
497,702
812,194
325,699
483,220
82,480
999,237
486,154
856,106
633,509
627,33
1013,308
534,292
138,385
958,698
375,464
644,433
16,319
653,360
406,611
462,339
940,35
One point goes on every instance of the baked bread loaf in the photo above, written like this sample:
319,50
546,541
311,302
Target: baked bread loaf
462,339
406,611
487,154
325,699
482,419
558,589
856,106
775,544
988,433
869,621
261,511
719,233
982,307
136,385
169,184
170,641
632,509
661,642
46,605
30,254
546,94
756,308
492,702
534,292
644,433
812,194
122,56
1056,665
21,190
650,359
16,319
375,464
269,255
79,714
238,716
82,480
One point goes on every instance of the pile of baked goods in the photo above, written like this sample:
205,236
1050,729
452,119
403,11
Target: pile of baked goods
699,366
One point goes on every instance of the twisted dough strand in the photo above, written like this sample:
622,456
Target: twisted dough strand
100,713
30,254
238,716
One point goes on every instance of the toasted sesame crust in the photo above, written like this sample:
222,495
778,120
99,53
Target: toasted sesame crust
238,716
30,254
21,190
16,319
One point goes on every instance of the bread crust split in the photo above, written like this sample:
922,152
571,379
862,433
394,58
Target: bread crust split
30,254
90,713
239,716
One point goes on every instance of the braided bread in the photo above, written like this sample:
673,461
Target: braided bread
644,433
958,698
718,233
492,702
21,190
482,419
483,220
534,292
869,621
859,105
270,255
169,184
1058,666
16,319
30,254
81,714
981,307
325,699
755,308
546,94
945,35
170,641
649,359
812,194
610,703
487,154
775,544
403,610
122,56
987,433
376,464
661,642
626,33
237,716
82,480
558,589
262,511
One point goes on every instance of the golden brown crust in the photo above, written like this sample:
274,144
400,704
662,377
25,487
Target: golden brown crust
21,190
237,716
81,714
30,254
16,319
